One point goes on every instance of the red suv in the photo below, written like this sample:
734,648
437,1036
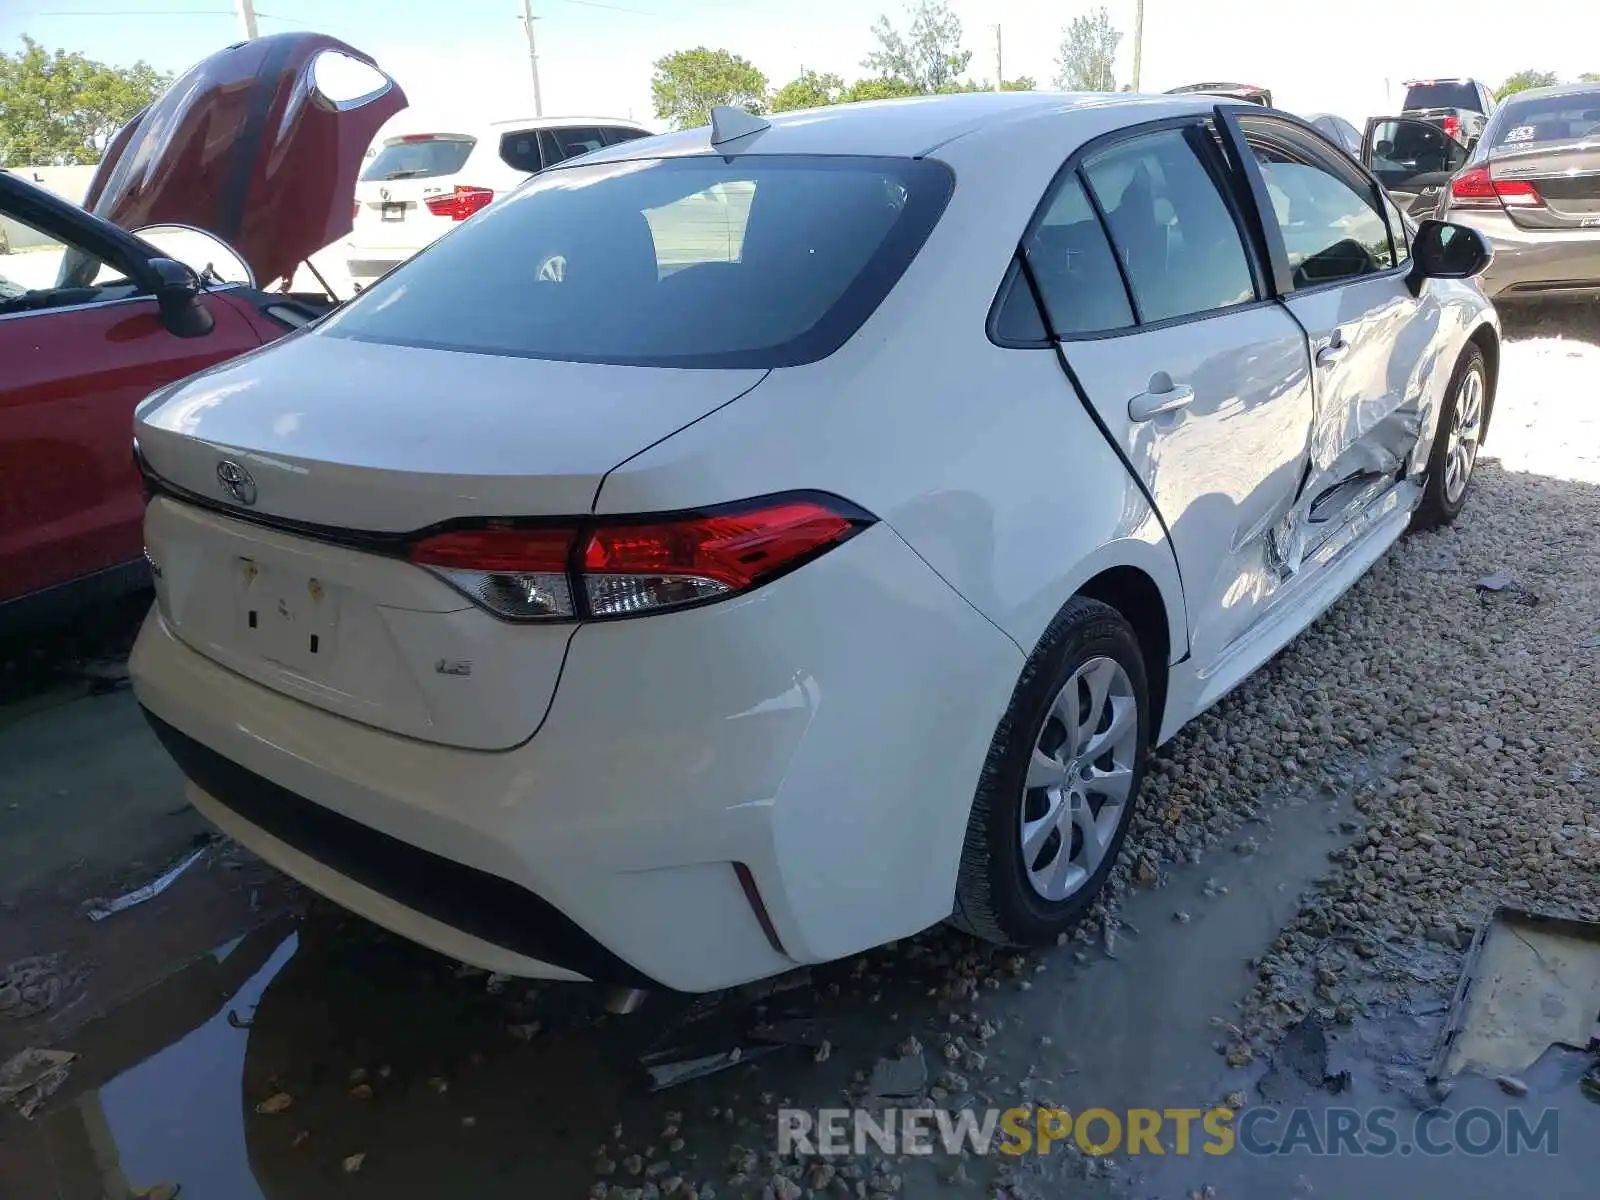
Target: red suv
249,147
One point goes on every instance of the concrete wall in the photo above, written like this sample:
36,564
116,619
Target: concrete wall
70,183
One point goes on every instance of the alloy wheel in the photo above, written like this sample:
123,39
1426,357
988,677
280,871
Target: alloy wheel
1079,780
1466,430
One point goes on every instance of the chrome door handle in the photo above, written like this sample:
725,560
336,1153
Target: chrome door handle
1332,353
1147,405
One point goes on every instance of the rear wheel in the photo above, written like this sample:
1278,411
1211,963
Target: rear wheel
1455,446
1058,789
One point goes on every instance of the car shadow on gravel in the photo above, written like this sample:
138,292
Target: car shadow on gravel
85,655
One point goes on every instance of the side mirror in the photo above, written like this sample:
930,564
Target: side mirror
177,290
1442,250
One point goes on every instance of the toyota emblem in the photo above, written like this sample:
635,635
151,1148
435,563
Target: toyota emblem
236,481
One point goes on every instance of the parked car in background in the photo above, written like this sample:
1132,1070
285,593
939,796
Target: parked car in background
1247,92
1338,131
643,621
1532,188
241,170
419,185
1458,106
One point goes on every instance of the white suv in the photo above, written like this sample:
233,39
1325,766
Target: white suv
418,185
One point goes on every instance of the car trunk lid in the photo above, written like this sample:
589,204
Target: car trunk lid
1549,185
290,500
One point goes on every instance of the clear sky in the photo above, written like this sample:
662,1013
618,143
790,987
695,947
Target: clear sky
465,57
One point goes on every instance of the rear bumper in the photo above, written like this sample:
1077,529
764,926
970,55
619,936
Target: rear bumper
1528,263
825,734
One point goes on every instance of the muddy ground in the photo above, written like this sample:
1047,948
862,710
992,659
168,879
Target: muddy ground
1287,932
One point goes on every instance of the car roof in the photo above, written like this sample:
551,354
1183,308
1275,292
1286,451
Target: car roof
1555,91
558,122
908,127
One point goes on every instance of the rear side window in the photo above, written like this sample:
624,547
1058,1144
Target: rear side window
762,261
519,150
419,156
578,139
1169,225
1075,270
1444,94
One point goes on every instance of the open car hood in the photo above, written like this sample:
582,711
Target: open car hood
259,144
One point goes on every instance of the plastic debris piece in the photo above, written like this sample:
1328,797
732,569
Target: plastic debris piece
149,891
666,1072
352,1163
275,1103
31,1076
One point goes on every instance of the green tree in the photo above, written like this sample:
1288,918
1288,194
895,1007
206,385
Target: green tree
1589,77
59,108
928,56
1088,54
1022,83
810,90
687,85
885,88
1523,80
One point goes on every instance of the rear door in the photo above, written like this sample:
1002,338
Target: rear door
1201,382
1414,160
1343,278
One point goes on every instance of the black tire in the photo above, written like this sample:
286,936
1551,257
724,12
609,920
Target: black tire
994,898
1438,507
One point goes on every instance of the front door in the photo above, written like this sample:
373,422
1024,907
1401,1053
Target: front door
1347,264
79,350
1201,381
1414,160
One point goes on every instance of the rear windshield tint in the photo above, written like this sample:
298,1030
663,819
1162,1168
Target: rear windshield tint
1443,95
1550,119
419,158
762,261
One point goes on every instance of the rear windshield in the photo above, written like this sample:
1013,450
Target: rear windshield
1550,119
762,261
1446,94
419,158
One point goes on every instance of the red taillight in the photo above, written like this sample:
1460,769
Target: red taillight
1475,189
635,566
355,211
461,203
1451,126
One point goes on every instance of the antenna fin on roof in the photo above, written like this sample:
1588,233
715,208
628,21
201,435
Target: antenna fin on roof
730,124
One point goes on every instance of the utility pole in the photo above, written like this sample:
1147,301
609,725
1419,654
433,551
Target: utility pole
533,56
999,71
247,18
1138,40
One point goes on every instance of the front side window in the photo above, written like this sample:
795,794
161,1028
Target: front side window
40,270
1398,230
621,133
578,139
1170,226
1332,230
761,261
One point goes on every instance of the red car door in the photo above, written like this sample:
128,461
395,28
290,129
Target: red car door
70,501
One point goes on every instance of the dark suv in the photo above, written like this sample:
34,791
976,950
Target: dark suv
1458,106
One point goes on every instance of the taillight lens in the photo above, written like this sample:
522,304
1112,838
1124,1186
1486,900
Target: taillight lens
355,211
1451,126
633,567
461,203
1475,189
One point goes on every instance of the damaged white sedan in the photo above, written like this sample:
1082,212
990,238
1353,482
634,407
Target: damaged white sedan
742,547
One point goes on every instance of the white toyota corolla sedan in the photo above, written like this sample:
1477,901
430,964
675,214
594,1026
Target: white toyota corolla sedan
743,547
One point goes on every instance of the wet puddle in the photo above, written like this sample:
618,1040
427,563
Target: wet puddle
406,1079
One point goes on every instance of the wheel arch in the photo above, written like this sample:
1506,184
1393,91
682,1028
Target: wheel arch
1487,341
1139,599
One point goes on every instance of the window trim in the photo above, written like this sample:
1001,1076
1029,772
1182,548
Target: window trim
1340,166
1221,173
